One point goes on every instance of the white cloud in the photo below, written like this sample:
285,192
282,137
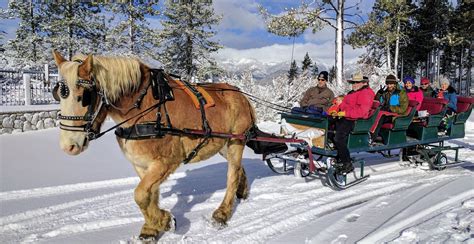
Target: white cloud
239,14
326,34
282,53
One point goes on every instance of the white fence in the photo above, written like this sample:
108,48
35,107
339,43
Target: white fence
28,92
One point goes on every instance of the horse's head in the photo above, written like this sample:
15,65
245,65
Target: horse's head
81,103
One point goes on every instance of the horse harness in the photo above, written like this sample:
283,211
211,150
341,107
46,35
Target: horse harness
162,92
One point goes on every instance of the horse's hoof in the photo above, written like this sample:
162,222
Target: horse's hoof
147,237
242,195
172,224
219,219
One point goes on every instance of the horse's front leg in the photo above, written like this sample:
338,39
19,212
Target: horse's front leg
147,198
234,177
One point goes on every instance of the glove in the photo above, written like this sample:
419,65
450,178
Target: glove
333,113
341,114
380,91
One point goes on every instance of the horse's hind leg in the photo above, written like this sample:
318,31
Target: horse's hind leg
243,188
147,197
234,176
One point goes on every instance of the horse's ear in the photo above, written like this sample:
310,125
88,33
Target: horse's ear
86,67
58,58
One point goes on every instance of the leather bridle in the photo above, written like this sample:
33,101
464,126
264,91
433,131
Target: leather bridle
93,93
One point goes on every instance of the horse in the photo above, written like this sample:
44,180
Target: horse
119,82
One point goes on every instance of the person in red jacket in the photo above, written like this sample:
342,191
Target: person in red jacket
413,92
356,105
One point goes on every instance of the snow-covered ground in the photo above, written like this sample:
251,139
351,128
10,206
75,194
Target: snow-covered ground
47,196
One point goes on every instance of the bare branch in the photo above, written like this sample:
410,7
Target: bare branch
327,22
334,7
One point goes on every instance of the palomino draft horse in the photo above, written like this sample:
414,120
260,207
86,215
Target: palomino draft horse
95,87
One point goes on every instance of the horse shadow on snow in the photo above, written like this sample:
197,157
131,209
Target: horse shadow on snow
200,184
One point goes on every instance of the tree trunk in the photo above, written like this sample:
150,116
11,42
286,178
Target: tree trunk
397,43
339,41
389,58
460,69
189,47
69,30
469,69
130,28
33,31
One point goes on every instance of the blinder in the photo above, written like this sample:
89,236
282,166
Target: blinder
88,99
63,90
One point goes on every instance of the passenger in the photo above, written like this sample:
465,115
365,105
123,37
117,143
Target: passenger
394,102
425,86
355,105
412,91
319,96
336,102
449,93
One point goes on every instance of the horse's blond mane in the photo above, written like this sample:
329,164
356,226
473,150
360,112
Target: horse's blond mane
117,76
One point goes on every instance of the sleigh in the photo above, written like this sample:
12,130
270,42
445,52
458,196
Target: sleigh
418,139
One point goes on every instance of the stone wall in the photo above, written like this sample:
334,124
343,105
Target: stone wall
15,122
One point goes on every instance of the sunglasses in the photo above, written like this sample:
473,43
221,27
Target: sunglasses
321,79
425,84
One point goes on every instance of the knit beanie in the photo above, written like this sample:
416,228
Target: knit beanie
425,80
410,79
391,79
323,75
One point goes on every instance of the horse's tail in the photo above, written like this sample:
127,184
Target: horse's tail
261,147
253,114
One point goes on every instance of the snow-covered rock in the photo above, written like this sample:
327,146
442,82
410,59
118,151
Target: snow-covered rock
49,123
40,125
18,124
28,116
35,118
6,130
43,115
7,122
53,114
27,126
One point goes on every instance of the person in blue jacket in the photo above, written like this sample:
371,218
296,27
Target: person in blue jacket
449,93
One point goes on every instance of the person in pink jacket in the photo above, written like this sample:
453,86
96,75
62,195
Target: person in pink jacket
356,105
413,92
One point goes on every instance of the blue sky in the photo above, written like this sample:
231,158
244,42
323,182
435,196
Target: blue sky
242,32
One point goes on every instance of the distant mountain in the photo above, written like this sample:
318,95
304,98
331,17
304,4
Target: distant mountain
261,71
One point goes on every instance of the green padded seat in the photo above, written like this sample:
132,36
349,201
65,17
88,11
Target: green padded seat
359,137
395,132
464,109
427,128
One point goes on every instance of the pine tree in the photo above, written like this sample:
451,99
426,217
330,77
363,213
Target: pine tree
293,72
132,34
315,71
307,62
294,21
332,74
381,33
186,37
28,47
74,26
457,62
429,26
